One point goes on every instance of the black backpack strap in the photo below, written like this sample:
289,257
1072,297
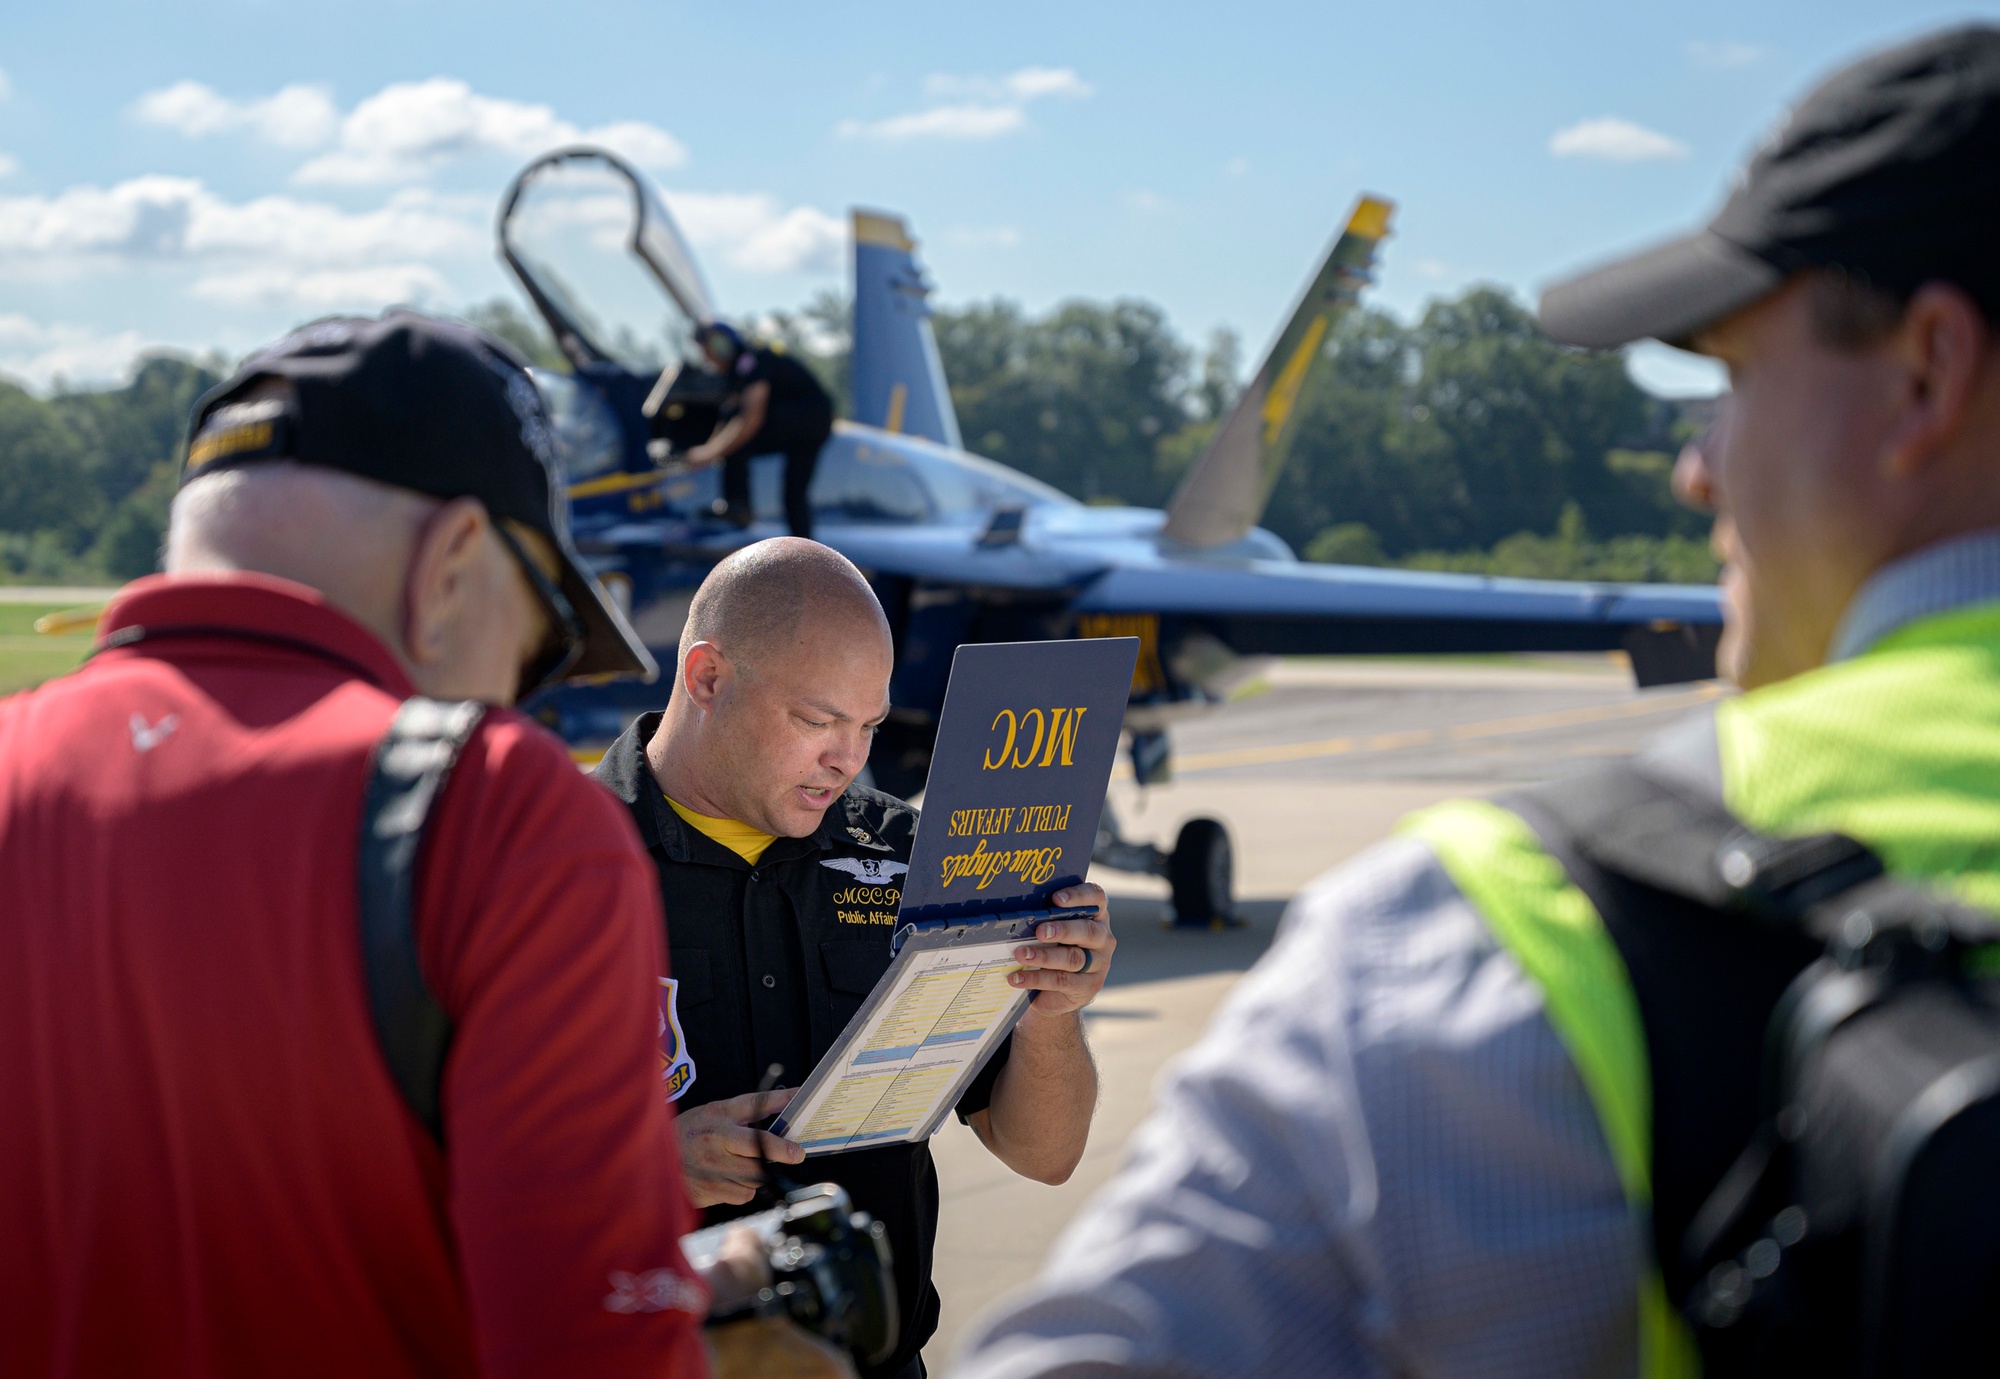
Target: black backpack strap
406,775
1714,922
1709,956
1656,822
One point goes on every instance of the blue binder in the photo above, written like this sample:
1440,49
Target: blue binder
1025,747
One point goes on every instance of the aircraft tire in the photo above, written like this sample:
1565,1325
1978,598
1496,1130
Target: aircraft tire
1201,869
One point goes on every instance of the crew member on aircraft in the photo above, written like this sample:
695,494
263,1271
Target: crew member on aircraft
774,406
781,878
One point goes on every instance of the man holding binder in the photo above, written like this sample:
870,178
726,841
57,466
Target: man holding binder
781,880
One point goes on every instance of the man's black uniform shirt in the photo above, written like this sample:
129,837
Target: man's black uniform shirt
798,405
771,961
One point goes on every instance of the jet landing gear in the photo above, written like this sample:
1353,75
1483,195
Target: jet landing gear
1201,868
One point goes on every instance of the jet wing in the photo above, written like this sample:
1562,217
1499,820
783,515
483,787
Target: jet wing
953,556
1283,608
1288,608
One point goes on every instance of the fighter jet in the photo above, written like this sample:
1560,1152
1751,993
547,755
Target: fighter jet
962,549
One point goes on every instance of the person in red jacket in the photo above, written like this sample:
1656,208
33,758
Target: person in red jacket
206,1165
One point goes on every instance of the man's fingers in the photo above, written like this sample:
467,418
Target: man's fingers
755,1105
1046,980
1089,933
780,1150
1056,959
739,1141
1076,897
746,1143
730,1192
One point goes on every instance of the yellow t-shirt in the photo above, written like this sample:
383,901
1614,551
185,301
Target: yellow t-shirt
746,842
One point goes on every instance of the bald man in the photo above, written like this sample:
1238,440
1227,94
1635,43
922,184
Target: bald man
781,878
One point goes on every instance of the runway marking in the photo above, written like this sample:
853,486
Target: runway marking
1464,732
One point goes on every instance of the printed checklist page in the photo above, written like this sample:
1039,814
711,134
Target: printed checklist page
893,1078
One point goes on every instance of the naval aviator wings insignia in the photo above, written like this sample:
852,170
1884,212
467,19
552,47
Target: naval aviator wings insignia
876,871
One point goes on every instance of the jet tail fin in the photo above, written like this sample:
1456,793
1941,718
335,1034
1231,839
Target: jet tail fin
1225,491
898,379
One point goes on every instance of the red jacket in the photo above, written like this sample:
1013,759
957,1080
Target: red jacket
205,1168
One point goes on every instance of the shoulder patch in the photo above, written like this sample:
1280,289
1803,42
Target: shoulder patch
676,1067
878,871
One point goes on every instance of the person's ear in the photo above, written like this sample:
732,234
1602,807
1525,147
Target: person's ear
1942,349
703,671
441,587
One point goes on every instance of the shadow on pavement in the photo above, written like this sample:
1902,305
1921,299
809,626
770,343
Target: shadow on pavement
1150,951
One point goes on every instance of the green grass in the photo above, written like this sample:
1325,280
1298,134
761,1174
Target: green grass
28,658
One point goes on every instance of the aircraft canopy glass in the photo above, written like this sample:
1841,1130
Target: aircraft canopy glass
588,442
965,484
597,250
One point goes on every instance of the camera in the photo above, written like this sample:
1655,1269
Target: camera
830,1269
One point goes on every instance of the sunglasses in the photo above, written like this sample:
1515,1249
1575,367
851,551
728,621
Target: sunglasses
564,646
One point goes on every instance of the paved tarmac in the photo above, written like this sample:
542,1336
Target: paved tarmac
1313,763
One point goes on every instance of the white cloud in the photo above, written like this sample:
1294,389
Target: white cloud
754,233
9,165
407,130
156,218
1029,83
402,133
1614,140
983,236
647,145
1727,53
1148,202
296,116
327,289
940,122
39,355
984,108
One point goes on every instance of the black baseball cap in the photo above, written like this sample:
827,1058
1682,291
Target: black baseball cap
1888,171
438,408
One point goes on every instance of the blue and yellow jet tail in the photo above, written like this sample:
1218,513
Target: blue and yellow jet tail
1225,491
898,379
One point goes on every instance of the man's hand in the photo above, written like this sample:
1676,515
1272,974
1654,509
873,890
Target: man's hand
720,1153
1067,969
774,1348
701,456
741,1270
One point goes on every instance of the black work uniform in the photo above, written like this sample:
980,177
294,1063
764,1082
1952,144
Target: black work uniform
771,961
798,417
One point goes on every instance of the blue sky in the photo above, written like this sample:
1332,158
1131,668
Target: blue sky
203,175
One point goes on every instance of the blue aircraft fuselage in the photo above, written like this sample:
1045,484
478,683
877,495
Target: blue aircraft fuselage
961,549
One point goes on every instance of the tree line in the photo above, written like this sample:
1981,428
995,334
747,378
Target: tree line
1464,440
